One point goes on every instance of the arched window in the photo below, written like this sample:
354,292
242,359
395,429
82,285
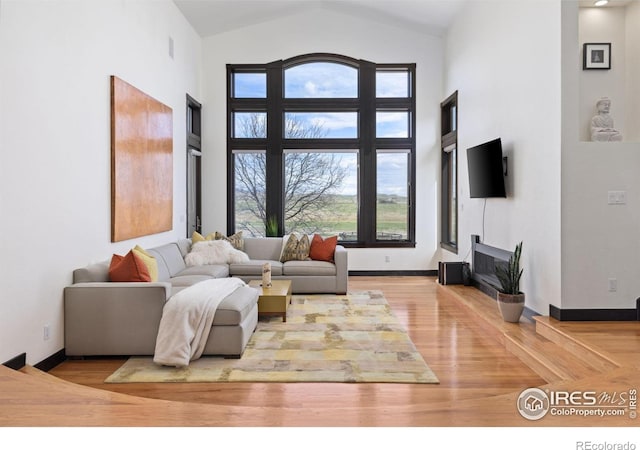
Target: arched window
323,144
321,80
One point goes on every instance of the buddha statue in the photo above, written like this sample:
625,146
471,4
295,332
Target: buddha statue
602,129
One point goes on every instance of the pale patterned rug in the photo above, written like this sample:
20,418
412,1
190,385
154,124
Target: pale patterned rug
353,338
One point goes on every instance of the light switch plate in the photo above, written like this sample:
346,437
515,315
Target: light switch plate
617,197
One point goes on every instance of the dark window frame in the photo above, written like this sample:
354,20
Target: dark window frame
194,143
449,204
366,143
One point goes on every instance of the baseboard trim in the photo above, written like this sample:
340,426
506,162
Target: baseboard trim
17,363
485,288
529,313
490,291
52,361
579,315
393,273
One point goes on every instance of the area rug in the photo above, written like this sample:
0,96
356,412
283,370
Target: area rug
353,338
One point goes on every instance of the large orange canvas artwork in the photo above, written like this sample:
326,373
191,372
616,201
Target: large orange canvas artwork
141,163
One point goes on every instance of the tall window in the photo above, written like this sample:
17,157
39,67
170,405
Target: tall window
250,195
392,194
194,166
449,175
323,144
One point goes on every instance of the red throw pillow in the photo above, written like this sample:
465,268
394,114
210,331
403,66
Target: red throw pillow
128,268
323,249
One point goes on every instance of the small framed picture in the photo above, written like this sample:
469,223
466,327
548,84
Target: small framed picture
596,56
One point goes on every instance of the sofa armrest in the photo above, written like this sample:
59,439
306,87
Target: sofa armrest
342,269
106,318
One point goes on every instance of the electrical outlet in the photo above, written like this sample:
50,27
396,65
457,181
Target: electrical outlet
387,259
613,284
617,197
46,333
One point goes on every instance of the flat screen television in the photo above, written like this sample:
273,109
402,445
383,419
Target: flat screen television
486,171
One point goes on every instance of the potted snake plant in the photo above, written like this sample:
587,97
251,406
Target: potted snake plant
271,226
510,298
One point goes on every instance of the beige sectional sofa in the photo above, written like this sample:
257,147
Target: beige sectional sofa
122,318
307,277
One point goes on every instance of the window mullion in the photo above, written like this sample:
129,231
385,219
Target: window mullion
321,144
321,104
367,214
231,212
412,158
275,129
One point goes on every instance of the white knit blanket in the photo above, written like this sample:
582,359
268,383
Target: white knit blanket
187,318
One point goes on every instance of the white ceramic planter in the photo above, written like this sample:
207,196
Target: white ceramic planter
511,306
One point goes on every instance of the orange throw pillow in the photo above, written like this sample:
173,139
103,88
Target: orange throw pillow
323,249
128,268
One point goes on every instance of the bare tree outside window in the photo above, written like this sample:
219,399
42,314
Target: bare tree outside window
250,192
312,180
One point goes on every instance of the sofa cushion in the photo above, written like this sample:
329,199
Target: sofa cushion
295,249
235,239
268,248
292,268
170,255
210,270
184,245
128,268
197,237
254,267
188,280
323,249
163,270
148,260
93,273
236,306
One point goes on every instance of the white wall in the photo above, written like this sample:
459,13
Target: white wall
604,25
503,57
322,30
57,57
599,241
633,71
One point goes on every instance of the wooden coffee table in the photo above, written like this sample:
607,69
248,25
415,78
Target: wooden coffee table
273,301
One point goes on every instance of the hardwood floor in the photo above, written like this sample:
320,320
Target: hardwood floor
456,329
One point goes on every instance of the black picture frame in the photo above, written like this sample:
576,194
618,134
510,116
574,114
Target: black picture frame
596,56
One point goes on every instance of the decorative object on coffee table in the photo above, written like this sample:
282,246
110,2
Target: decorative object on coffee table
510,299
266,274
273,301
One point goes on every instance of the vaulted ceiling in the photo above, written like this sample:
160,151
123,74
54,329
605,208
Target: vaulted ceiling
211,17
